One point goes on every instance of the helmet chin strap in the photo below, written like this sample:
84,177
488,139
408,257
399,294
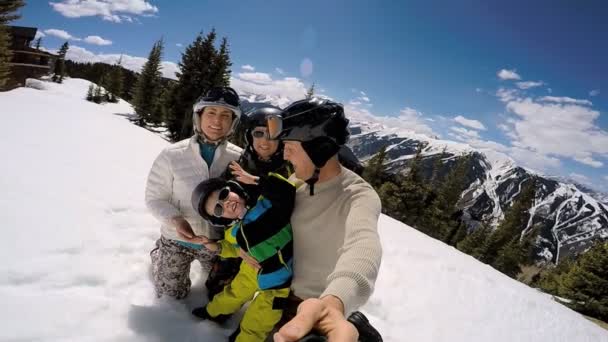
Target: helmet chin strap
312,180
203,139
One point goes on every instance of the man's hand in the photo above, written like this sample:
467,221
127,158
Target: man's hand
249,259
324,315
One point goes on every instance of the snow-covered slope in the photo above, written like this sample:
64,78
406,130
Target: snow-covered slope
76,237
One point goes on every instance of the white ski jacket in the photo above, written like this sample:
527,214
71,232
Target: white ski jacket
177,170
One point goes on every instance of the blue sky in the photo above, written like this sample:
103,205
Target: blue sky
528,80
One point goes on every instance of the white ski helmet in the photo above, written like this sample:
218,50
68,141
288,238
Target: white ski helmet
217,96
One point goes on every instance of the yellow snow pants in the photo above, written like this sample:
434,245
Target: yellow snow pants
260,317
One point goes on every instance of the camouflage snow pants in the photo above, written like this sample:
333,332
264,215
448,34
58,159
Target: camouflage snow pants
171,266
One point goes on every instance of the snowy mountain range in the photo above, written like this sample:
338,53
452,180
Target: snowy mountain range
569,217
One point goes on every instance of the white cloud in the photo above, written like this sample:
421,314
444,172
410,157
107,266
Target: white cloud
256,77
179,45
558,127
354,103
606,178
565,99
529,84
549,90
469,123
362,93
279,71
364,98
409,119
39,34
478,90
506,95
97,40
588,160
284,90
534,160
60,34
247,67
110,10
582,179
464,134
594,92
79,54
505,74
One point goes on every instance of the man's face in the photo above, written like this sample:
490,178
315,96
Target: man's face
215,122
295,154
263,147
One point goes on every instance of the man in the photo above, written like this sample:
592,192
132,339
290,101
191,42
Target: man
337,249
175,173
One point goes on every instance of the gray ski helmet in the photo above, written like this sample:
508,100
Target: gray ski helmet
218,96
319,124
202,192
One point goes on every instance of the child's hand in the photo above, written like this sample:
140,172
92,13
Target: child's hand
209,244
242,175
249,259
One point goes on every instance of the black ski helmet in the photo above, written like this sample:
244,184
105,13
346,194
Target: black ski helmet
257,118
321,127
202,192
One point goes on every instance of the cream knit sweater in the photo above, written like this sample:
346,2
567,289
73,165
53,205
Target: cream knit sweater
337,249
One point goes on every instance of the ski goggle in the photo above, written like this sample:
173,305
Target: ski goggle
218,210
274,123
226,95
276,129
260,134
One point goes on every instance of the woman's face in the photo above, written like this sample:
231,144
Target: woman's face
232,206
263,147
216,122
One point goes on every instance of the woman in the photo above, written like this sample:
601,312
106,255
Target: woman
177,170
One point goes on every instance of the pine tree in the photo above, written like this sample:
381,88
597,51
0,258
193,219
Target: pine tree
5,56
8,13
515,221
311,91
201,68
8,9
60,63
414,193
220,68
148,89
586,283
38,42
98,94
391,201
374,170
115,84
471,245
441,217
90,92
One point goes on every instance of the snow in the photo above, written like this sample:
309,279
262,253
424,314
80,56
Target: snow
77,236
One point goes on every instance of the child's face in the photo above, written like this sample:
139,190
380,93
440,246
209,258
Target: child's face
225,203
263,147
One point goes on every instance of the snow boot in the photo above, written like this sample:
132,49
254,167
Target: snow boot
367,333
204,315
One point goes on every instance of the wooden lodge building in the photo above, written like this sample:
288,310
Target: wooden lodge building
26,61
